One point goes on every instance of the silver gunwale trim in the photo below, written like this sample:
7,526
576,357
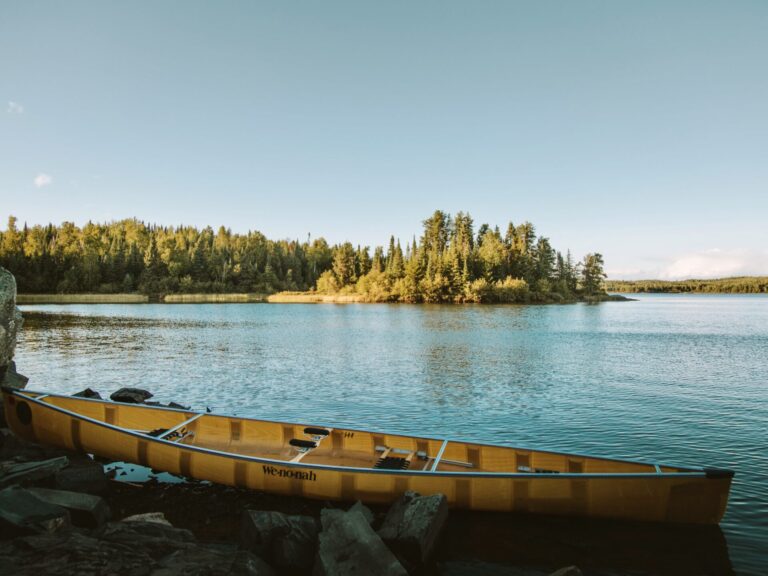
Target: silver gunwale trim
689,471
172,430
438,457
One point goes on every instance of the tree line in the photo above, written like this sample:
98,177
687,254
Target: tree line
736,285
450,262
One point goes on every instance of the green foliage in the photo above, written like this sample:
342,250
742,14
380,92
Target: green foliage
592,274
450,263
736,285
327,283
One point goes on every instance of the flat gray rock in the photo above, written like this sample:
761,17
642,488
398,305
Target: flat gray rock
85,510
21,513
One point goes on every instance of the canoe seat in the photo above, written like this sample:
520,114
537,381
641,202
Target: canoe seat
302,444
392,463
318,432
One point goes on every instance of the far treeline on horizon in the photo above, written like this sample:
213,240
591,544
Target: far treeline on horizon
450,262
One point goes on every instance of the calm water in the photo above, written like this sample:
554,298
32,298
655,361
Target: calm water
677,379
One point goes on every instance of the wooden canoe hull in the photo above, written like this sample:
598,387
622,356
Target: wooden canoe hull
105,429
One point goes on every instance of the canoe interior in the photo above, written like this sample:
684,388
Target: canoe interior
341,447
346,465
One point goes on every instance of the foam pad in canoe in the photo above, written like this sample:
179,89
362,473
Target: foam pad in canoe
297,443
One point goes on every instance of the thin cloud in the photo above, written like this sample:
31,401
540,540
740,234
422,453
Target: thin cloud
14,108
43,180
717,263
714,263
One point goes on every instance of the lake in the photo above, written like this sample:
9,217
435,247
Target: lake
679,379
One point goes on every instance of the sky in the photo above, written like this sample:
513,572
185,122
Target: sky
635,129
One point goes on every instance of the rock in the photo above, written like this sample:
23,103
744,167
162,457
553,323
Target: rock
66,553
85,510
212,560
122,548
480,568
413,526
10,325
247,564
88,393
567,571
84,475
349,546
22,513
178,406
10,319
26,472
156,517
10,444
13,378
156,539
131,395
288,543
364,510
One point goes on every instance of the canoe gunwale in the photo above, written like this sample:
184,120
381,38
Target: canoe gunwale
689,473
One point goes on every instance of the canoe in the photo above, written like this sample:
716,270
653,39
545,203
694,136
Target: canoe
343,464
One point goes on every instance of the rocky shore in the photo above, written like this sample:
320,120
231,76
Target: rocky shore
62,513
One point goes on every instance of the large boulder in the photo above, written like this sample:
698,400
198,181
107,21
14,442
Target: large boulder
413,526
10,325
288,543
349,547
10,319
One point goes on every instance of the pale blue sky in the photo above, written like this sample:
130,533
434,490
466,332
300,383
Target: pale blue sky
638,129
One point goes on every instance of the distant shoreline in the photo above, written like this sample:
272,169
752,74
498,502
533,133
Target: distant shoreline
734,285
233,298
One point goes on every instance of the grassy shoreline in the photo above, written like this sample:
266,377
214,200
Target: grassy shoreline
82,298
234,298
214,298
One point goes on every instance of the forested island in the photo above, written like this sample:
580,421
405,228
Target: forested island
449,262
735,285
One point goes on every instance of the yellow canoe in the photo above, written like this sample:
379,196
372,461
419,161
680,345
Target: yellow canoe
344,464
